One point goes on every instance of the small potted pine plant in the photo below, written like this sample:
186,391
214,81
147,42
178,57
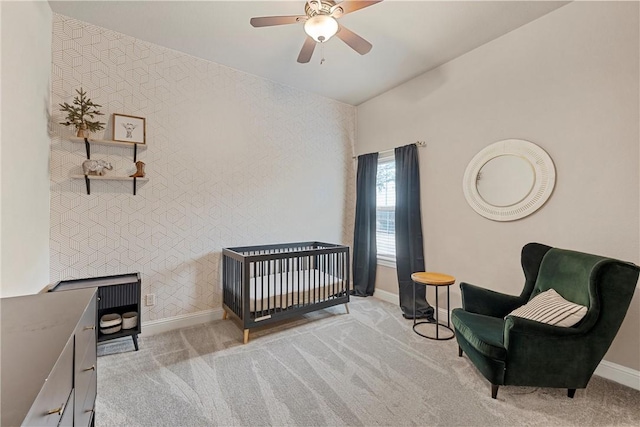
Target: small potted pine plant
82,115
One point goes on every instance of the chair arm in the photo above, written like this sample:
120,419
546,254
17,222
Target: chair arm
514,325
487,302
543,355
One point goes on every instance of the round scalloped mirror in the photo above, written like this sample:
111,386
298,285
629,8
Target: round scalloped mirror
509,180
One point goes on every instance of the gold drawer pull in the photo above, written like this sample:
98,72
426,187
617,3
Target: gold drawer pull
90,328
92,368
56,411
89,410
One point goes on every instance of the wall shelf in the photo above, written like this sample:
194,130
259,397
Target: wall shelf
88,141
107,142
88,179
109,177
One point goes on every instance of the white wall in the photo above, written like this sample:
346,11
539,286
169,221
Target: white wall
232,159
568,82
24,223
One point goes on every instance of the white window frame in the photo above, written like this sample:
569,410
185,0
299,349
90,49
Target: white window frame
386,260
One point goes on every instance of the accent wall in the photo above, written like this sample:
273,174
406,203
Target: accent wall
232,159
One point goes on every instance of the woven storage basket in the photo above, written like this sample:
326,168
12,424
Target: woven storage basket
110,320
111,330
129,320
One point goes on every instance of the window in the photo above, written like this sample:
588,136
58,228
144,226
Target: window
385,209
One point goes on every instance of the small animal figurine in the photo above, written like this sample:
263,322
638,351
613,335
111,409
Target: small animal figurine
95,167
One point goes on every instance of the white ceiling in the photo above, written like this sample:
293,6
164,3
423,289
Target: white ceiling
408,37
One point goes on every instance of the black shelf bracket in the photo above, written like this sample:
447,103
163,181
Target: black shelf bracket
87,180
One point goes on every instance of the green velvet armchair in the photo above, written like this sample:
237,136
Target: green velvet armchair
510,350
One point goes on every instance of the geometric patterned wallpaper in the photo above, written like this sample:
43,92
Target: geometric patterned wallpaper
232,159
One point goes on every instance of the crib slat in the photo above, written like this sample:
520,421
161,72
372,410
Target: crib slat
299,281
268,286
282,280
308,284
255,288
324,276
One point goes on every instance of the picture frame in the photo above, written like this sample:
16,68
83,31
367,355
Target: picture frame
128,128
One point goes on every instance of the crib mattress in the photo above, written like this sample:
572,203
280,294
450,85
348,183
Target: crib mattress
300,287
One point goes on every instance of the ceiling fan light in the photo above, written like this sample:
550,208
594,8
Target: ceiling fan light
321,27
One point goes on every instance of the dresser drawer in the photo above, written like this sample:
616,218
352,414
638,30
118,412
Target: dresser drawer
67,415
86,332
85,407
51,403
85,374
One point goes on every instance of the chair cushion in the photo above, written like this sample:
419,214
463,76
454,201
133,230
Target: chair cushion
549,307
484,333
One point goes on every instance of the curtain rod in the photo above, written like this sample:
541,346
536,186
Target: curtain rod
417,143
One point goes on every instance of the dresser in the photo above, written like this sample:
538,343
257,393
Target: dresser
48,359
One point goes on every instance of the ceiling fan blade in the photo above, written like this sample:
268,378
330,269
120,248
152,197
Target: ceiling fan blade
268,21
307,50
354,41
348,6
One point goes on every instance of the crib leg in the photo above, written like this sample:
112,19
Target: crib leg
224,315
346,306
246,336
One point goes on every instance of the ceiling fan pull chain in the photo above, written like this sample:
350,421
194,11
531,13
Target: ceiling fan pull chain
322,53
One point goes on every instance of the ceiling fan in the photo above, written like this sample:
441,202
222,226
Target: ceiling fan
320,24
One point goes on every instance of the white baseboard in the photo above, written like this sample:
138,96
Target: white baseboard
611,371
395,299
618,373
154,327
386,296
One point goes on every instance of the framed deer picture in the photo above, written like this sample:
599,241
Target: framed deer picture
129,128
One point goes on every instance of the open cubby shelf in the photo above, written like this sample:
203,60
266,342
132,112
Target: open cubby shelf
122,333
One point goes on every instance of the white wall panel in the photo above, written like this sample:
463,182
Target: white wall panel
232,159
26,55
569,82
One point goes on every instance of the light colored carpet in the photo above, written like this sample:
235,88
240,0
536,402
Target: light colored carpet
328,369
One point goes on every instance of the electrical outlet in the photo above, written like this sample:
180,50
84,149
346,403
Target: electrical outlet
150,299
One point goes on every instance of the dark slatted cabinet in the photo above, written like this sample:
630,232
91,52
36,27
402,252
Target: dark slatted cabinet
116,294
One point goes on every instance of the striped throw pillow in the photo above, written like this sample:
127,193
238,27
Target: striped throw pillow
549,307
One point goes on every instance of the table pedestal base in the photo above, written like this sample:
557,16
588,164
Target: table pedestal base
437,337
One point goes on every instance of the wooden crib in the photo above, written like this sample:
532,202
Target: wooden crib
269,283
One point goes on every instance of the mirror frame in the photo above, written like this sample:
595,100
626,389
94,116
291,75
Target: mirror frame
544,179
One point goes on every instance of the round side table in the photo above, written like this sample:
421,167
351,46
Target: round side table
437,280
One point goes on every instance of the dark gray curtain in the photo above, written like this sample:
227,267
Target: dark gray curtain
409,248
364,239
